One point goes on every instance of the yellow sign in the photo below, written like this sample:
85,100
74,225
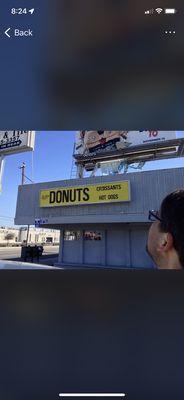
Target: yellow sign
89,194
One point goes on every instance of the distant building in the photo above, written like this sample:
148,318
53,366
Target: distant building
39,235
36,235
8,235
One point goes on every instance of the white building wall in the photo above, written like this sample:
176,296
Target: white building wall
4,232
39,235
36,235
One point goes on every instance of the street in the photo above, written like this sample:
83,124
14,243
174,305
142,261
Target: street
9,253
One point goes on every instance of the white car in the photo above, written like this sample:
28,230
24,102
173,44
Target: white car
4,264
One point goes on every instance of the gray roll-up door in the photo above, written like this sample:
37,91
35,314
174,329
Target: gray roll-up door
117,248
139,256
93,250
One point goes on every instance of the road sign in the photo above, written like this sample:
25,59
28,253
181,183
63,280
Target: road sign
40,221
37,223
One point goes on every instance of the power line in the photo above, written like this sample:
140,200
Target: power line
28,178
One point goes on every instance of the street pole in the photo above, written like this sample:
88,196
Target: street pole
23,167
27,238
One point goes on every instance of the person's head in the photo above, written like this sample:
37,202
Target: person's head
166,235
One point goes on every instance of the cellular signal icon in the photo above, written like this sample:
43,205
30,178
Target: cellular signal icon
159,10
149,11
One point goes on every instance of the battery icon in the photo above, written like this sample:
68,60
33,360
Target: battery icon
170,11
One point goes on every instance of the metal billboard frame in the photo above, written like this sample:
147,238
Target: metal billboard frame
134,154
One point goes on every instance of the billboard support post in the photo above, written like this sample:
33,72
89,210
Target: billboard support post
23,167
2,160
80,171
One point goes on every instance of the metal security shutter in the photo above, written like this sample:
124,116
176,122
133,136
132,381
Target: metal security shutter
93,251
72,251
117,248
139,256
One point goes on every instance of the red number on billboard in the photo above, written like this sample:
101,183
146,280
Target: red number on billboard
153,133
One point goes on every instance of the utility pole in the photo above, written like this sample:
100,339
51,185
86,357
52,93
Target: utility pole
23,167
27,238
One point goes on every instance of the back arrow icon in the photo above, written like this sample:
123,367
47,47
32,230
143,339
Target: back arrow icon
6,32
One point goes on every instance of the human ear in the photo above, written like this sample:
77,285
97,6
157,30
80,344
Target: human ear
166,242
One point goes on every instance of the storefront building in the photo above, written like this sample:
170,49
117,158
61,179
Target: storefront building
103,221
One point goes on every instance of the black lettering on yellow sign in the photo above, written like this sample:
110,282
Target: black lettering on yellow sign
69,195
45,197
103,197
108,187
113,196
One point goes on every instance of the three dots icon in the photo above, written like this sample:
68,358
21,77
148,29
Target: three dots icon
170,32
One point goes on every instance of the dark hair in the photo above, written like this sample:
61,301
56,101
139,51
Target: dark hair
172,215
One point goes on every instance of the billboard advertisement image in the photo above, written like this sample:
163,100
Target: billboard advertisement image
135,138
94,142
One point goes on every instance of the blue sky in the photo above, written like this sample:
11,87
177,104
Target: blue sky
51,160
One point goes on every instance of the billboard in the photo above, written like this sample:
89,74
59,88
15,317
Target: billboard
95,142
16,141
135,138
109,192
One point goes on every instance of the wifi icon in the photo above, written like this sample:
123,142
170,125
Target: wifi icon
159,10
